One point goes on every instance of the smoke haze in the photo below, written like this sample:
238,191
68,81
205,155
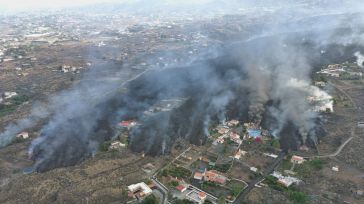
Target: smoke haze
264,78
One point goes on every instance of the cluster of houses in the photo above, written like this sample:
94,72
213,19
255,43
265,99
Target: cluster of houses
337,70
287,181
123,125
333,70
185,190
226,131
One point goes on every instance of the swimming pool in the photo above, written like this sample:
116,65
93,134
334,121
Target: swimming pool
255,133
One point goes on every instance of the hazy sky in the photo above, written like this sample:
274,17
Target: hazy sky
16,5
20,5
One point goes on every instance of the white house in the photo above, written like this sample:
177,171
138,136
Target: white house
141,188
23,135
285,180
253,169
335,168
116,145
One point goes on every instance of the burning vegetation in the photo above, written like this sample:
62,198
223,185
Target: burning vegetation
264,80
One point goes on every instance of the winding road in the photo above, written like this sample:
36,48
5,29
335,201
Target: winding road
352,132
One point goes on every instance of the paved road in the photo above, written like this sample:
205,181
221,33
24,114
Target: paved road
162,190
160,186
252,184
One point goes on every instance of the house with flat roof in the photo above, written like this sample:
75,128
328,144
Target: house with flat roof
140,190
286,181
198,197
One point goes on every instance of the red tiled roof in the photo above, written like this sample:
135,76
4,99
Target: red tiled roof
181,188
215,177
210,174
202,195
297,158
198,175
125,123
220,180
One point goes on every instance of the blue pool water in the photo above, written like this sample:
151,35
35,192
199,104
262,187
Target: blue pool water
254,133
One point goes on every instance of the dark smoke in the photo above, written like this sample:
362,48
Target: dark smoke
236,84
262,79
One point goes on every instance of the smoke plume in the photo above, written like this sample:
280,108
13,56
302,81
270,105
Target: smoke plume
264,78
359,59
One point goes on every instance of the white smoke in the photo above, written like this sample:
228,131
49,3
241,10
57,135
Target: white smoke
38,113
359,59
320,99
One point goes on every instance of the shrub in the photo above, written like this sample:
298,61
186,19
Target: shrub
104,147
175,171
276,144
14,103
174,183
317,164
298,197
221,167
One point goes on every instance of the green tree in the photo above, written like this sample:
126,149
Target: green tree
104,147
222,200
317,164
174,183
276,144
150,200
